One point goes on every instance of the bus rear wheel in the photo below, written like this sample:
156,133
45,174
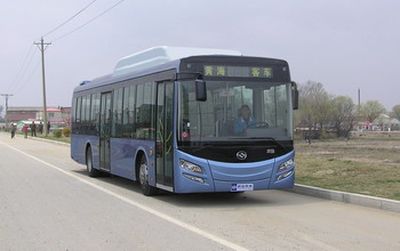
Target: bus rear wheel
144,178
89,164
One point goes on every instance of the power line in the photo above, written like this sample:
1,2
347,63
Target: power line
22,67
69,19
23,73
88,22
42,46
27,79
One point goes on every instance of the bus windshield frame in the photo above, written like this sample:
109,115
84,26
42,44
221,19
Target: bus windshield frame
236,110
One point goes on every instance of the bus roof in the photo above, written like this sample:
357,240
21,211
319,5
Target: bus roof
157,59
152,60
161,55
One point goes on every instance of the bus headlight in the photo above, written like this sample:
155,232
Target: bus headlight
188,166
285,175
286,165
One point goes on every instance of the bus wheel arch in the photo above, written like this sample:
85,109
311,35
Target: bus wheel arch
139,155
92,172
141,172
88,150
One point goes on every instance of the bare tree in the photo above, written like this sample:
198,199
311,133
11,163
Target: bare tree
343,115
319,111
315,105
370,110
396,112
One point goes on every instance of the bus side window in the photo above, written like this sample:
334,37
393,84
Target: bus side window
78,110
94,114
131,121
139,111
117,113
125,115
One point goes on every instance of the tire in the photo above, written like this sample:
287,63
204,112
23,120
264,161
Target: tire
144,178
92,172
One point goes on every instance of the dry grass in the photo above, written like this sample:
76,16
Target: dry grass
52,137
368,165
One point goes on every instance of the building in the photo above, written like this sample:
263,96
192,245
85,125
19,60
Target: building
15,114
58,116
385,123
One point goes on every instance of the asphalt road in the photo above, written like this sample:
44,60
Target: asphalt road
47,202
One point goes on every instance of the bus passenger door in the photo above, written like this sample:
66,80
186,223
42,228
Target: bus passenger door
164,136
105,130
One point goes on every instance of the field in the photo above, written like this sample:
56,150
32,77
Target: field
368,164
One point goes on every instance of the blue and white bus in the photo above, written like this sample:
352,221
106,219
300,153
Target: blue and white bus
189,120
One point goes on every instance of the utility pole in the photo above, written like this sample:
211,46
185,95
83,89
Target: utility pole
6,95
42,47
359,101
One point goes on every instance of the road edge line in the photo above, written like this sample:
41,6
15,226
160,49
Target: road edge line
346,197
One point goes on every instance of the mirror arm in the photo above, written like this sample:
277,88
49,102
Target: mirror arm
295,96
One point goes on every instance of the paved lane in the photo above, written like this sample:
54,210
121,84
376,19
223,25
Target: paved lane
42,207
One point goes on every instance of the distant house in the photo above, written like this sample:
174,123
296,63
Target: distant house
58,116
384,123
15,114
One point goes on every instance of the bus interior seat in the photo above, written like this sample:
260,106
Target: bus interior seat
226,127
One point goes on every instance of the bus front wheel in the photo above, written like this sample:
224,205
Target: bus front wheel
144,178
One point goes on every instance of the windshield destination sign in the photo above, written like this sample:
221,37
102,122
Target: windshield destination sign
237,71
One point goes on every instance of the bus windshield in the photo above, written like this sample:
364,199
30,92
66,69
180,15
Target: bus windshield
235,111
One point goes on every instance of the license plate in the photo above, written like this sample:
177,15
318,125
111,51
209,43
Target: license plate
242,187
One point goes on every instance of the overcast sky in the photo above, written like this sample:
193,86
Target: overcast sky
343,44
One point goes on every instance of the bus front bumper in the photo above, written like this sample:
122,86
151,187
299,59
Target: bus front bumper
228,177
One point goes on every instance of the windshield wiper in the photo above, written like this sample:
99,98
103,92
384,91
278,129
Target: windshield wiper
259,138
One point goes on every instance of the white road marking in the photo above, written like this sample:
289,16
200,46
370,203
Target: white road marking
154,212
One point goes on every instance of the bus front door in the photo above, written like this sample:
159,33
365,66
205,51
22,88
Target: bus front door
164,136
105,130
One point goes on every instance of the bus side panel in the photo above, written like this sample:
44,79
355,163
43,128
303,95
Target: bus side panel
123,156
77,151
78,148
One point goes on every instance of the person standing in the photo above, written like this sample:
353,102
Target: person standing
41,127
48,126
13,130
33,129
25,130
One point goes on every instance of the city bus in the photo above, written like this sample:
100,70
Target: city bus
189,120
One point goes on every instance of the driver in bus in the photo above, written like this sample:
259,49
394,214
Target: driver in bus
244,121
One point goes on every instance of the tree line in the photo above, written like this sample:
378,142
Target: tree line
321,111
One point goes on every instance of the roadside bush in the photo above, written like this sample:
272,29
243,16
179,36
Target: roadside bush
57,133
66,132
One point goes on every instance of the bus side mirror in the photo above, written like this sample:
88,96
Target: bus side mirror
201,90
295,96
